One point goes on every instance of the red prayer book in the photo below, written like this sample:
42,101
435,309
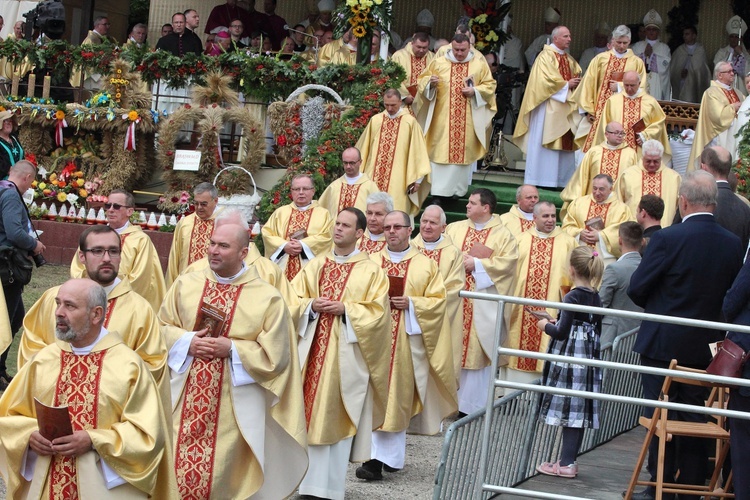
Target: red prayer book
396,286
53,421
210,317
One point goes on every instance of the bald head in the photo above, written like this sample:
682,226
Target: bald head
231,216
22,175
631,81
717,161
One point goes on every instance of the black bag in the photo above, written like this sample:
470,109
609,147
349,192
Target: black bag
15,266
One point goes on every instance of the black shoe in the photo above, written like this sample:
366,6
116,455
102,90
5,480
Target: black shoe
372,470
388,468
649,493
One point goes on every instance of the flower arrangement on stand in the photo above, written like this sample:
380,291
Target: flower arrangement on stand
67,186
484,22
363,17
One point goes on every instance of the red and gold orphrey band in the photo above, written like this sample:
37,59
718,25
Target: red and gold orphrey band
731,95
610,163
526,224
615,64
297,220
348,195
458,105
418,65
78,388
196,441
399,270
199,238
472,236
537,283
381,173
332,282
651,183
432,254
631,113
598,210
371,246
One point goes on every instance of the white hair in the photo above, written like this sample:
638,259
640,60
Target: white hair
653,147
621,31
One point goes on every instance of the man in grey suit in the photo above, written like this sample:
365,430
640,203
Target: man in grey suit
615,282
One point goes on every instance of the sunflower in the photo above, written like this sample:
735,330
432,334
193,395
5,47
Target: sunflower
360,17
133,115
60,114
359,31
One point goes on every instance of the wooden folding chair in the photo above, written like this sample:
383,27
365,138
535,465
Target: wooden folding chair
661,427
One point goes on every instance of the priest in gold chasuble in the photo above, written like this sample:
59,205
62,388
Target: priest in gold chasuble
440,247
543,255
650,176
420,374
139,261
717,121
297,232
394,155
190,241
594,219
127,312
544,130
414,58
351,189
603,79
520,217
457,94
120,446
344,326
639,114
239,428
379,205
490,255
611,157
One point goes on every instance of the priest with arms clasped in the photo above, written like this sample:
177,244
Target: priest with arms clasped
345,323
239,428
119,446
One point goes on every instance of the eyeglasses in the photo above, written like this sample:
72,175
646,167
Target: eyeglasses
116,206
99,252
297,190
727,71
621,133
395,227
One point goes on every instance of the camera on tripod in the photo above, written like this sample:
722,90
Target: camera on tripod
49,17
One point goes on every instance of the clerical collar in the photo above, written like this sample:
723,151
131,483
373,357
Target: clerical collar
618,55
82,351
302,209
230,279
121,229
340,259
397,257
432,245
449,55
352,180
612,146
557,49
377,237
393,117
480,225
723,85
111,287
526,215
540,234
652,42
691,47
609,199
637,94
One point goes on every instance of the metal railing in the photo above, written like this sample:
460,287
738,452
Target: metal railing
508,452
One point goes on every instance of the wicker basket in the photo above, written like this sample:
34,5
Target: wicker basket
245,203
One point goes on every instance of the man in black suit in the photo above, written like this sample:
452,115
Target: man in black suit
731,213
179,42
686,271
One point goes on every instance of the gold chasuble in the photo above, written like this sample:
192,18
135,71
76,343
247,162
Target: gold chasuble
601,159
127,312
340,194
612,211
189,244
515,221
716,116
480,316
451,266
413,66
139,265
368,245
456,127
345,380
326,51
628,111
315,222
236,440
421,378
550,73
394,155
594,90
268,272
636,181
542,270
108,394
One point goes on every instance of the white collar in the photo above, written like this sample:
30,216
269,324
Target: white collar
352,180
302,209
82,351
432,245
230,279
397,257
340,259
123,228
111,287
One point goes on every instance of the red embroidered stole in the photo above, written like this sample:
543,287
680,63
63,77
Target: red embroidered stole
631,113
526,224
298,219
418,65
348,195
457,114
401,270
371,246
331,284
563,66
199,419
472,236
78,388
199,238
433,254
651,183
731,95
387,142
110,307
615,64
598,210
537,284
610,162
122,238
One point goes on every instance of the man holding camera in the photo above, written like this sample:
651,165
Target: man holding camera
17,232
